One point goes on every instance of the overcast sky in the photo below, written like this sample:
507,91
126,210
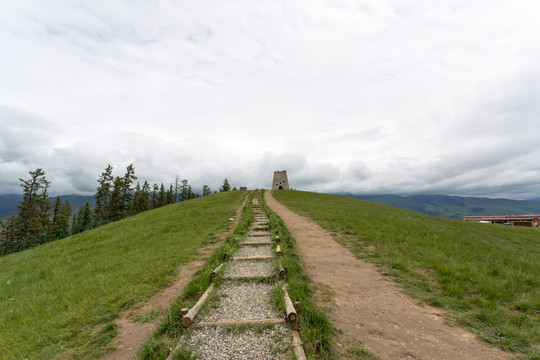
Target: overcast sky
364,96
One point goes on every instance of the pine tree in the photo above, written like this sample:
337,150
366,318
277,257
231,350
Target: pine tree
170,195
10,231
162,198
140,200
146,194
184,194
206,190
84,217
116,203
127,191
75,228
103,194
33,212
226,186
57,210
154,196
190,194
63,219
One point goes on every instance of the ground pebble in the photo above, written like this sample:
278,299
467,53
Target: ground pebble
257,239
242,301
258,233
219,343
263,268
264,250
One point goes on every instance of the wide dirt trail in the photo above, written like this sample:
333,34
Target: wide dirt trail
371,308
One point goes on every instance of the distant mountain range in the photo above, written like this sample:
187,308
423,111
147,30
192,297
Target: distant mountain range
454,207
9,202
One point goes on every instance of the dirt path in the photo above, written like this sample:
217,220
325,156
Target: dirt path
369,307
131,334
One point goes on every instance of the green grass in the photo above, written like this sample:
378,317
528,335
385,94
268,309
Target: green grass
165,337
147,317
315,328
358,350
57,301
314,325
486,277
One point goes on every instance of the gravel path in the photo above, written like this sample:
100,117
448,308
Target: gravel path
245,300
265,268
264,250
260,225
242,301
218,343
257,239
259,233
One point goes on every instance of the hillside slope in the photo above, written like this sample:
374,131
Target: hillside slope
57,300
484,276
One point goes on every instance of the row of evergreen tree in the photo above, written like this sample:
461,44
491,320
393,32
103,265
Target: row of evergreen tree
116,197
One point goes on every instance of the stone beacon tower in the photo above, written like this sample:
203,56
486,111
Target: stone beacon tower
280,181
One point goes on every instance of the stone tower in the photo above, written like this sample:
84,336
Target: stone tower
280,181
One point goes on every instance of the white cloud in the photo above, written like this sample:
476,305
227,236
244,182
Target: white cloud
362,96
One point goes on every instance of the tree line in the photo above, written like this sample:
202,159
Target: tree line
116,197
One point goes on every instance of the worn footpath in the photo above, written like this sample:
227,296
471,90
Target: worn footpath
371,308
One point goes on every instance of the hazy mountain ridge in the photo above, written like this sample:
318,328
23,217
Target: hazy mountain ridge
9,202
454,207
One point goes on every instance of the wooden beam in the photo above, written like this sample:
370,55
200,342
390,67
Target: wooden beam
216,270
251,258
298,346
187,319
246,277
254,322
289,308
255,243
282,271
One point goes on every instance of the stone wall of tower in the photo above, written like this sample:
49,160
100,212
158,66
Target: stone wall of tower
280,182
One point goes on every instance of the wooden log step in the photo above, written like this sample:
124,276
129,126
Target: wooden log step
251,258
246,277
187,319
257,243
289,308
254,322
298,346
282,271
216,270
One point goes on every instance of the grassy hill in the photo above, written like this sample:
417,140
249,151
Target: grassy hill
486,277
58,300
455,207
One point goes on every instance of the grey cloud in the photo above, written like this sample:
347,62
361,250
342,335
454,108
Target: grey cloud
362,97
358,171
